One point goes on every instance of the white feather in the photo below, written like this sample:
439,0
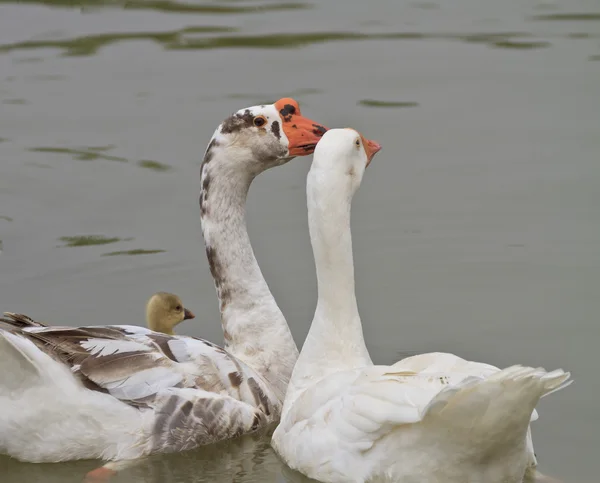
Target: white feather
107,347
144,383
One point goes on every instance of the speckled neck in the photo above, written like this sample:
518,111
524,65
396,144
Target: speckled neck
254,327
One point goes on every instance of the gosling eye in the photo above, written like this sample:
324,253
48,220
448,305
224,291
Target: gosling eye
357,143
259,121
178,308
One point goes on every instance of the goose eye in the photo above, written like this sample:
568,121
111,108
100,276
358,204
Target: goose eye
259,121
178,308
357,142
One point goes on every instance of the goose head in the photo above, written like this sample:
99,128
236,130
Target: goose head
164,311
261,137
343,155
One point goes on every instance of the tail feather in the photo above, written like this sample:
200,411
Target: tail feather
555,381
496,410
18,368
12,321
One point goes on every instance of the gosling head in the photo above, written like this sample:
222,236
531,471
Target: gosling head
164,311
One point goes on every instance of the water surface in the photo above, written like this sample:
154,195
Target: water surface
476,230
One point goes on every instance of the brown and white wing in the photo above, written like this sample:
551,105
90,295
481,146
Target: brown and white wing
134,364
186,418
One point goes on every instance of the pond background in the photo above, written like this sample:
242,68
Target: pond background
476,230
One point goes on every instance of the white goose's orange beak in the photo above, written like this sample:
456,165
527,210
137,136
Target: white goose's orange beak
302,133
371,148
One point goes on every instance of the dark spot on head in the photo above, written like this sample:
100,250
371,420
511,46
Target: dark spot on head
319,130
275,129
235,378
294,126
237,122
287,112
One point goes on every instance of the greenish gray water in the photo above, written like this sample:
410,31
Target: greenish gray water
476,230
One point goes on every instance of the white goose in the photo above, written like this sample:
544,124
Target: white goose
121,392
432,418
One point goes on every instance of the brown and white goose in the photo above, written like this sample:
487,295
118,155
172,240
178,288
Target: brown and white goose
121,392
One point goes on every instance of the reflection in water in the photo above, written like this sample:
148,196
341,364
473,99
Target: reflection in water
93,153
81,154
177,40
137,251
374,103
569,17
154,165
87,240
507,44
249,459
168,6
246,459
89,44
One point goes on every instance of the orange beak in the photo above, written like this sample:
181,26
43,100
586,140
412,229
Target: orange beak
371,148
303,134
188,314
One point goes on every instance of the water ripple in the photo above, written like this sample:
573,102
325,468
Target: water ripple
568,17
88,240
81,154
177,40
166,6
376,103
136,251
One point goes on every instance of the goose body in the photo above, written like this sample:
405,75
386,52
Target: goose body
432,418
121,391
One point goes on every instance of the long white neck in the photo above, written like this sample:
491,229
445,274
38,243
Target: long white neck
255,330
335,341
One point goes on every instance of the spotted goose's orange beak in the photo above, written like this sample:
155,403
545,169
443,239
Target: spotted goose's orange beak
302,133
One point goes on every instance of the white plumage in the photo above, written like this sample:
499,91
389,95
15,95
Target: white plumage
432,418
